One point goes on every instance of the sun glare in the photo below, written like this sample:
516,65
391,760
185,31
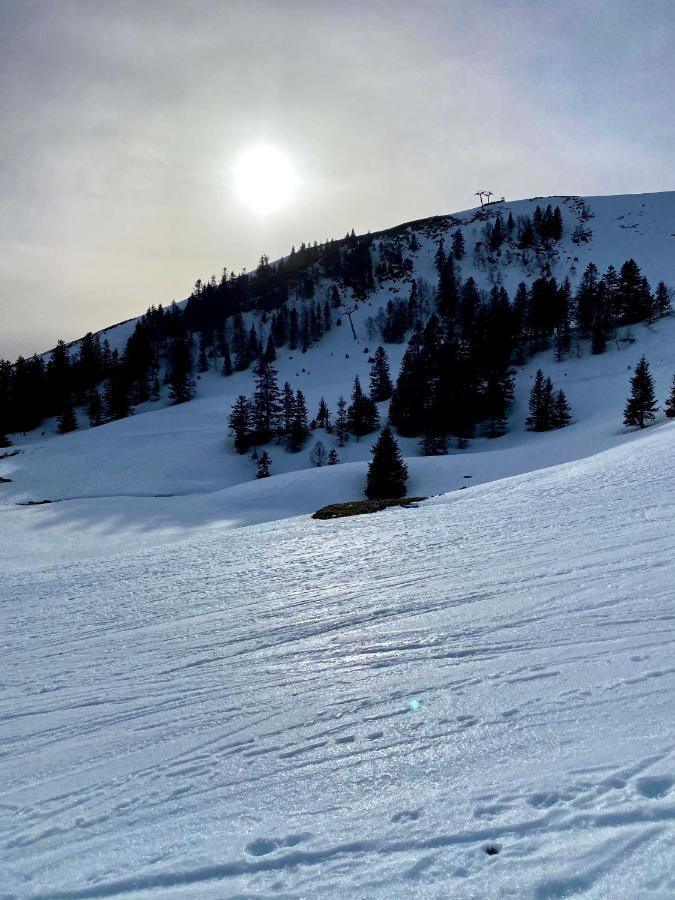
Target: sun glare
265,179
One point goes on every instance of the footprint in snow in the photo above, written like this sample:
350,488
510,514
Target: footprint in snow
405,815
545,799
654,786
264,846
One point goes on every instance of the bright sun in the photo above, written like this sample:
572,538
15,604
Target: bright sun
265,179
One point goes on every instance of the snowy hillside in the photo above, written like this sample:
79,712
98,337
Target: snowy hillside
470,699
170,471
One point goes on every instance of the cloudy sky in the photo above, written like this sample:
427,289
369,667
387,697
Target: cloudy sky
120,123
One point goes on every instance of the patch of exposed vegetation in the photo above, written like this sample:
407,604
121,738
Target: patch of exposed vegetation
361,507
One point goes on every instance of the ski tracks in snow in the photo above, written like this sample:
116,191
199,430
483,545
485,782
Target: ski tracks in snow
471,700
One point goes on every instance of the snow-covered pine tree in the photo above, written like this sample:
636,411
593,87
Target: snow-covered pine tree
333,458
641,406
387,473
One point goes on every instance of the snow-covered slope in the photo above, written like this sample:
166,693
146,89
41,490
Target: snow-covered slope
170,471
358,708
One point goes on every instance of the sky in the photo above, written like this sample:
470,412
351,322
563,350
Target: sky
121,124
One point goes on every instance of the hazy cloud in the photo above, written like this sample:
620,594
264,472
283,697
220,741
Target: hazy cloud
120,122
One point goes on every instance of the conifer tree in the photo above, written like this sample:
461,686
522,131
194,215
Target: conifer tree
116,398
563,332
203,362
458,249
266,402
557,224
538,220
586,299
599,331
662,299
634,298
448,292
293,329
387,473
270,354
333,458
94,408
181,386
252,345
305,337
299,427
239,344
641,406
433,443
670,402
241,423
67,420
541,400
323,416
439,257
155,389
380,380
362,412
287,408
497,234
227,360
317,455
341,422
406,411
561,414
498,395
264,465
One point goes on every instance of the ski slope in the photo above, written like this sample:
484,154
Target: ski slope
358,708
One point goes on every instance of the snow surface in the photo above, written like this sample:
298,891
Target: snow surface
358,708
353,708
